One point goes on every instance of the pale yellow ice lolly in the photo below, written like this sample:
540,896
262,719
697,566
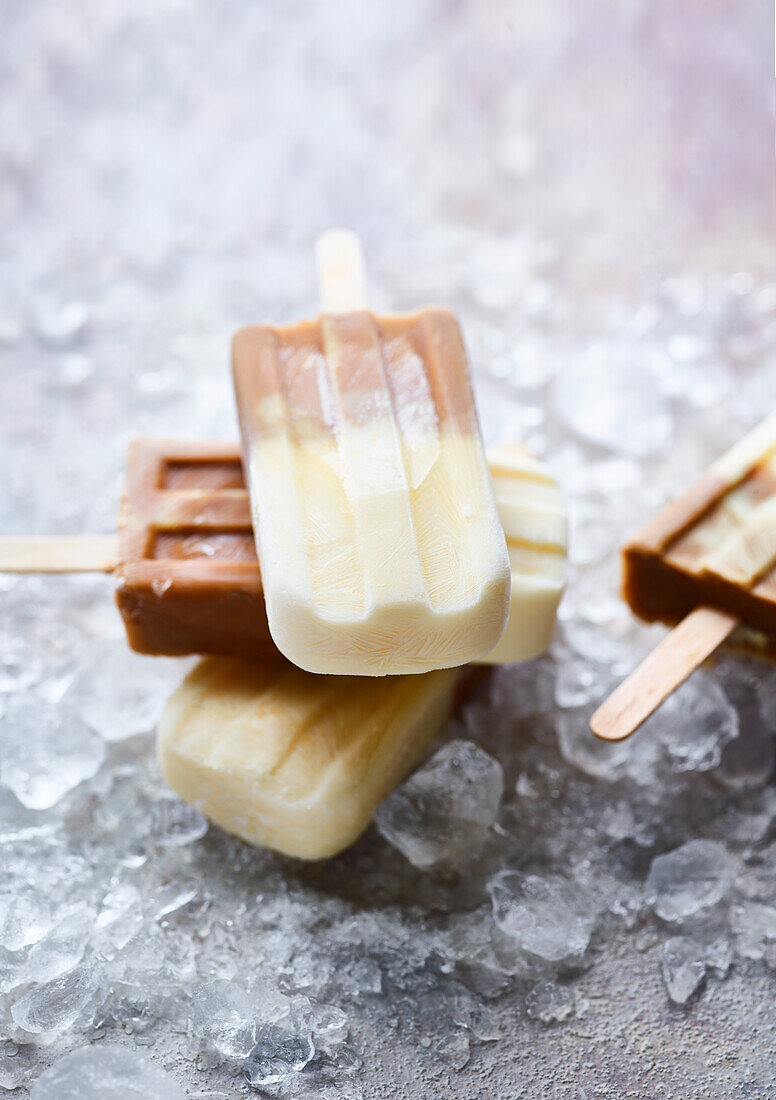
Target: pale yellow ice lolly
292,761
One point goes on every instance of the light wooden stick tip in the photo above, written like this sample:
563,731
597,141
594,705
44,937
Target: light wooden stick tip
58,553
341,271
661,672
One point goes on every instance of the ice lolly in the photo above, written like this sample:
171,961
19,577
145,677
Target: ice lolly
185,560
292,761
375,522
707,562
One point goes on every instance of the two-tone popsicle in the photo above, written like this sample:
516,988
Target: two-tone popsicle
380,547
706,562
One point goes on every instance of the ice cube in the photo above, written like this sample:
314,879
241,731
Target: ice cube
47,751
601,759
695,724
55,1005
278,1052
120,693
179,956
105,1073
687,733
327,1024
321,1079
718,954
224,1016
25,917
755,926
62,948
453,1048
442,814
468,1011
691,878
548,916
550,1003
119,919
684,968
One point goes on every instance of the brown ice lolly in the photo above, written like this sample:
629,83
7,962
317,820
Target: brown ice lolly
708,563
187,575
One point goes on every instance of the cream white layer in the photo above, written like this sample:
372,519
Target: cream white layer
379,554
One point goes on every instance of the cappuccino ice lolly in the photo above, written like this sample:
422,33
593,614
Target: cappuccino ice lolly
376,527
706,562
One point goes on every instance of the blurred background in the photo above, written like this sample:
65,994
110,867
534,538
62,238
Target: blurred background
546,169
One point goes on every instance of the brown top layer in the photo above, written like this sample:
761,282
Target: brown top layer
352,366
188,578
183,502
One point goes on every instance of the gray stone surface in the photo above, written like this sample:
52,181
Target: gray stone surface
590,186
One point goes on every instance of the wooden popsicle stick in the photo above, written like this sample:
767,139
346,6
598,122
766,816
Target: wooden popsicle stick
341,271
58,553
659,674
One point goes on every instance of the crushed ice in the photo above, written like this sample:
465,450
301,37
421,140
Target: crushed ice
145,954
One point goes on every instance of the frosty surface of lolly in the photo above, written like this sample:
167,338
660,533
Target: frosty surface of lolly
188,579
376,528
715,546
293,761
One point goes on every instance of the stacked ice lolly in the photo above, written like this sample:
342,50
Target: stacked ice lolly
282,757
381,547
708,563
